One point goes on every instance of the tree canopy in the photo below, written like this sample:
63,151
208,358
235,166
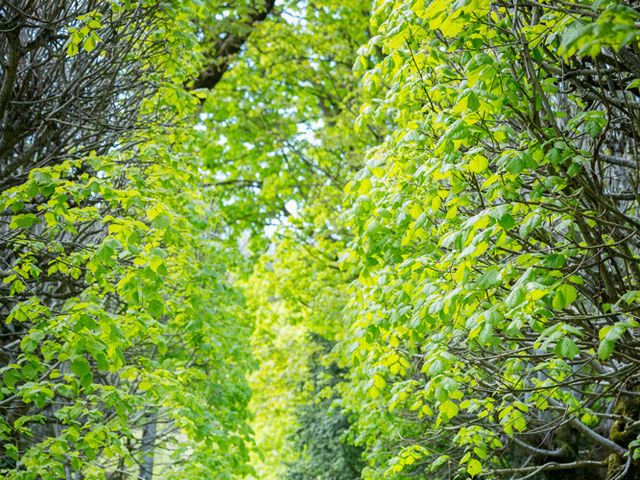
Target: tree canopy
310,239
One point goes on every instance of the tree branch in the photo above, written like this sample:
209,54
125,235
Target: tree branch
221,56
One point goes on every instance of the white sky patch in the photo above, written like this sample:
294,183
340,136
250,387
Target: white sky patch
292,207
308,131
201,126
269,230
295,18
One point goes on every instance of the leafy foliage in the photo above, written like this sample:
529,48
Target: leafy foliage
319,439
281,147
495,312
122,339
418,219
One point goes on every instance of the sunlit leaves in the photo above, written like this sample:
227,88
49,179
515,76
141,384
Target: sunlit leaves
473,236
474,467
118,282
565,295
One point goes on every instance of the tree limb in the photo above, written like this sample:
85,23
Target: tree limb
221,55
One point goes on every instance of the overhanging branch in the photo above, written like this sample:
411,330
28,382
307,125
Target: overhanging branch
221,55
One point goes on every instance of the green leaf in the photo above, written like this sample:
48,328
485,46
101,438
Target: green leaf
436,368
605,349
478,164
80,366
488,279
474,467
156,308
365,186
72,49
449,409
516,296
565,295
91,41
438,462
24,221
531,223
161,221
11,377
567,348
486,333
507,221
609,336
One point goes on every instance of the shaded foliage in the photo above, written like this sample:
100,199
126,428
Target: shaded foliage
74,75
325,453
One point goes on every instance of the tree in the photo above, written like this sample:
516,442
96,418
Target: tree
123,345
496,311
420,219
323,453
281,144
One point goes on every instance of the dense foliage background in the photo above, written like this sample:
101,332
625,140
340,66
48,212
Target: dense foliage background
309,239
